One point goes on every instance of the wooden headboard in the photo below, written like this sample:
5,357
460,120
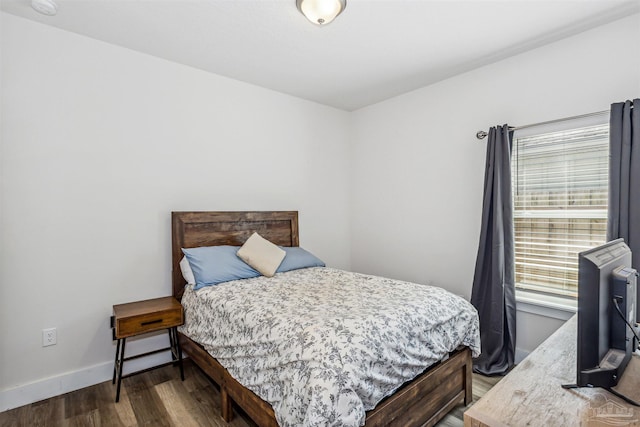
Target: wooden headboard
194,229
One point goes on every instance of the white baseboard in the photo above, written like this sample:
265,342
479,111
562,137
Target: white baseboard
81,378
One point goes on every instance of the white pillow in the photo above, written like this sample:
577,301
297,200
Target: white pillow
187,273
261,254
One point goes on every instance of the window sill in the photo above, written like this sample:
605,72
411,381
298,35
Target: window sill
545,305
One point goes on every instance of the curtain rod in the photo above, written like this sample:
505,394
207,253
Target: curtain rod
482,134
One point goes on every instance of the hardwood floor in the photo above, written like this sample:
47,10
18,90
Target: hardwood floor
158,398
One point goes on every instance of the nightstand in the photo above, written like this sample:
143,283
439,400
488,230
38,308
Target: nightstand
141,317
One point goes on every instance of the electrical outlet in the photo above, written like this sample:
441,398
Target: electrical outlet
49,337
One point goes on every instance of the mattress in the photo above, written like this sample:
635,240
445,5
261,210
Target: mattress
322,345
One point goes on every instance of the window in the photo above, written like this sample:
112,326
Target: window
560,192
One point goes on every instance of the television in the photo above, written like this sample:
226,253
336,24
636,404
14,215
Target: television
606,314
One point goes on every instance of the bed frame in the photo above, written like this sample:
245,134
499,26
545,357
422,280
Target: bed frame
420,402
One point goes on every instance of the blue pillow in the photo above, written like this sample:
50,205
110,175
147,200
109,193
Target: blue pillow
297,258
212,265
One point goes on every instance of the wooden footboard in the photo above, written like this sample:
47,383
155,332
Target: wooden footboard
421,402
429,397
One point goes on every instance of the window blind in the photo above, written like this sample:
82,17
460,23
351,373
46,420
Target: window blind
560,192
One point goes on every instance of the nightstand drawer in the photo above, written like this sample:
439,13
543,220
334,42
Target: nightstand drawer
146,316
147,323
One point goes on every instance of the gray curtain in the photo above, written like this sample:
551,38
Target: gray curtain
493,292
624,178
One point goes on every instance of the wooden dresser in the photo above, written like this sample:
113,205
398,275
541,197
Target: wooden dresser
532,394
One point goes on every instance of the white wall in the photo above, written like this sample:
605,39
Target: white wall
99,145
418,169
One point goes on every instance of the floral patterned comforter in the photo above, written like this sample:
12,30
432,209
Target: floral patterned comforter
323,346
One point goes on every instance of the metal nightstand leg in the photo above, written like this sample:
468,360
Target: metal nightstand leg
176,351
179,354
115,363
119,366
172,344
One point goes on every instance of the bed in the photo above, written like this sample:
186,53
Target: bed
421,401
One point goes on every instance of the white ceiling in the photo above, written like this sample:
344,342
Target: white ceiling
374,50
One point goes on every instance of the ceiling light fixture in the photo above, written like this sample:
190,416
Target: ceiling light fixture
45,7
321,12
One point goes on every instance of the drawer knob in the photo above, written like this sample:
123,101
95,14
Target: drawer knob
150,322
